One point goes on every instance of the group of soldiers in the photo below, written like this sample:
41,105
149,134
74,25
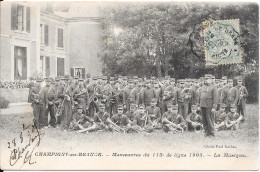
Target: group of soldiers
14,84
132,104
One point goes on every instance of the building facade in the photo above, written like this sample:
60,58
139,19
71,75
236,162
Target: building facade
36,40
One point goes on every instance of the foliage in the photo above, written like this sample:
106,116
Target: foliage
166,39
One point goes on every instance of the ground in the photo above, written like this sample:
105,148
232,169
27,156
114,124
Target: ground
245,140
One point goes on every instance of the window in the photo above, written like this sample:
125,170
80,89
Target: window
20,18
60,37
78,71
47,66
60,66
44,34
20,63
41,64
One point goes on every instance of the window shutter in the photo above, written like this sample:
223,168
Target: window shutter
28,19
72,72
13,16
83,73
46,35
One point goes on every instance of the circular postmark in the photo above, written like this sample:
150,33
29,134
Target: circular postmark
222,43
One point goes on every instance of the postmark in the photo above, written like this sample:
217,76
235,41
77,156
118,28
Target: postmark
222,42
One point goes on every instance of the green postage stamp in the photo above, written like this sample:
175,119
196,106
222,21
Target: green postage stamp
222,42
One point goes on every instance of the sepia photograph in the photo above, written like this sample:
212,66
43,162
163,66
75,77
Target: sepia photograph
129,85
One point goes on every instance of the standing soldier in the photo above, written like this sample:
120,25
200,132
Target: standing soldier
230,94
242,93
50,103
207,103
193,92
38,102
130,95
158,94
147,94
65,108
93,100
183,96
30,85
81,96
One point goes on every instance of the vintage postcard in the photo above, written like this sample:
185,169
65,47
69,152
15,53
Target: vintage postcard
116,85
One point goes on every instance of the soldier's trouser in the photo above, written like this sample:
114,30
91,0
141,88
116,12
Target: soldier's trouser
39,114
207,120
241,109
51,109
93,108
67,115
183,109
58,120
112,108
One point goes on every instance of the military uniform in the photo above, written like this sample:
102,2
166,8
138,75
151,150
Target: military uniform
192,118
92,90
51,97
183,96
230,95
38,98
67,101
242,94
155,114
142,121
147,94
81,96
80,120
207,99
173,118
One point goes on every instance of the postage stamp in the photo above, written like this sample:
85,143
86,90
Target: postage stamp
222,42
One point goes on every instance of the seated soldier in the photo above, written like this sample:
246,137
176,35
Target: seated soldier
142,121
221,117
80,120
119,122
100,120
132,112
172,121
233,118
155,114
194,120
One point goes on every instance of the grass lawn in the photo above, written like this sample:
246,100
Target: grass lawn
245,140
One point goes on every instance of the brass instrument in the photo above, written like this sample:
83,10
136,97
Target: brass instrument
61,105
198,126
94,98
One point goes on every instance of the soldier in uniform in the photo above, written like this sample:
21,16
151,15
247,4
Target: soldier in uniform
81,96
154,113
38,103
158,94
101,119
183,96
50,103
230,94
207,102
80,121
147,94
173,122
130,95
30,86
242,94
233,118
120,122
221,118
132,112
65,109
93,100
194,120
142,121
